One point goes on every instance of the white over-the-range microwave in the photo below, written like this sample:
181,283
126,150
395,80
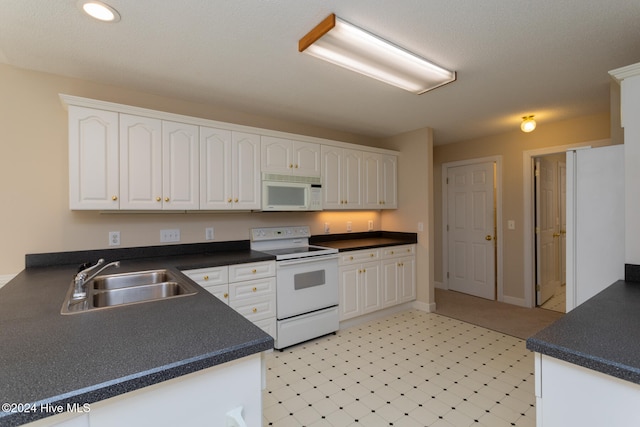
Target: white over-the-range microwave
291,193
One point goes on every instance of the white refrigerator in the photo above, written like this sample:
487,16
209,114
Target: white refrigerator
595,221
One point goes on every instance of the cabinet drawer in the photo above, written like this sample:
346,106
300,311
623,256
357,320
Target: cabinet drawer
253,288
254,309
356,257
209,276
398,251
254,270
220,291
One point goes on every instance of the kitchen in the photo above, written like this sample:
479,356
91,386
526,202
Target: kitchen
42,222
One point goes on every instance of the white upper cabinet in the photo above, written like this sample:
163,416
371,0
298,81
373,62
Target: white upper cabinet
159,164
229,170
216,170
288,157
93,159
379,181
342,178
140,162
180,166
245,159
129,158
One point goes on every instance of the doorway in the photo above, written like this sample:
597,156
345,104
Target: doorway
472,255
550,231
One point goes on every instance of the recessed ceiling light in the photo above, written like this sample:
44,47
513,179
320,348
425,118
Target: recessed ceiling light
100,11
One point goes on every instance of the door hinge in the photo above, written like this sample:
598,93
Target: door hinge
447,274
447,181
447,227
538,288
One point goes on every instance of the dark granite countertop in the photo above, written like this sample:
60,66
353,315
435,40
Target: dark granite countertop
367,240
602,334
49,358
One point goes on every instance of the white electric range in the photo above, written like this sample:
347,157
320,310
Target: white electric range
306,283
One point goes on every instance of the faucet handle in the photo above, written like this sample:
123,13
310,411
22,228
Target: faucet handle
86,270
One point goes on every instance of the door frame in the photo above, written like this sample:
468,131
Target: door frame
527,225
445,202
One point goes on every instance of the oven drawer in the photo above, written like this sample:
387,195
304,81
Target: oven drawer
250,271
357,257
254,309
209,276
252,288
398,251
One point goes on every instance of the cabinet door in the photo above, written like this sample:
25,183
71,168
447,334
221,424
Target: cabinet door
371,164
246,171
389,282
352,179
276,155
371,292
306,158
331,177
93,159
407,279
349,292
388,181
215,169
140,163
180,171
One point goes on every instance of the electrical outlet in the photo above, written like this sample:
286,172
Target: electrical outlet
168,236
327,228
420,226
208,233
114,238
370,225
349,227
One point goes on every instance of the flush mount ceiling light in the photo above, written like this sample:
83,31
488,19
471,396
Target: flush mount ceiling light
348,46
528,124
100,11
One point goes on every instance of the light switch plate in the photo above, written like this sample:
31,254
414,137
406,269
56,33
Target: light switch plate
511,224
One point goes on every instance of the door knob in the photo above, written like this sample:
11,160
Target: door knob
488,237
556,234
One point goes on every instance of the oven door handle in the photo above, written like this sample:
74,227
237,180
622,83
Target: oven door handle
319,258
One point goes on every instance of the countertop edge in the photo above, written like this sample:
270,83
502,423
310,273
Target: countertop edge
598,364
120,386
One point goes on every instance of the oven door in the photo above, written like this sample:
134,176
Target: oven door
306,284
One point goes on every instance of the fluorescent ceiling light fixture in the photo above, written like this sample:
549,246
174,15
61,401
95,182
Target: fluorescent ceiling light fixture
528,124
348,46
100,11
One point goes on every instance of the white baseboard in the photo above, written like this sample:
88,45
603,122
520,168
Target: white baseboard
515,301
4,279
425,306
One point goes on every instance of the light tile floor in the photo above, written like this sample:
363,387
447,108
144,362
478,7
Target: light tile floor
558,302
408,369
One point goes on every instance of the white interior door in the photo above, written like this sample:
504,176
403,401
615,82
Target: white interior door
547,229
471,229
562,182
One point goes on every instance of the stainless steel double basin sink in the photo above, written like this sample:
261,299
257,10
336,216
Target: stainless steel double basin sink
114,290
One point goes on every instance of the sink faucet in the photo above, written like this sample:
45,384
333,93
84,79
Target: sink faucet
81,279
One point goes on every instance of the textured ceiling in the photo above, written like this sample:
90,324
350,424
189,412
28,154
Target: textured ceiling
513,57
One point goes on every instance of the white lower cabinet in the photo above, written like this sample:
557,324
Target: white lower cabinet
571,395
360,283
374,279
250,289
202,398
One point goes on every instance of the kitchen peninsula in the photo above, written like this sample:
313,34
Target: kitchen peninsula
50,361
